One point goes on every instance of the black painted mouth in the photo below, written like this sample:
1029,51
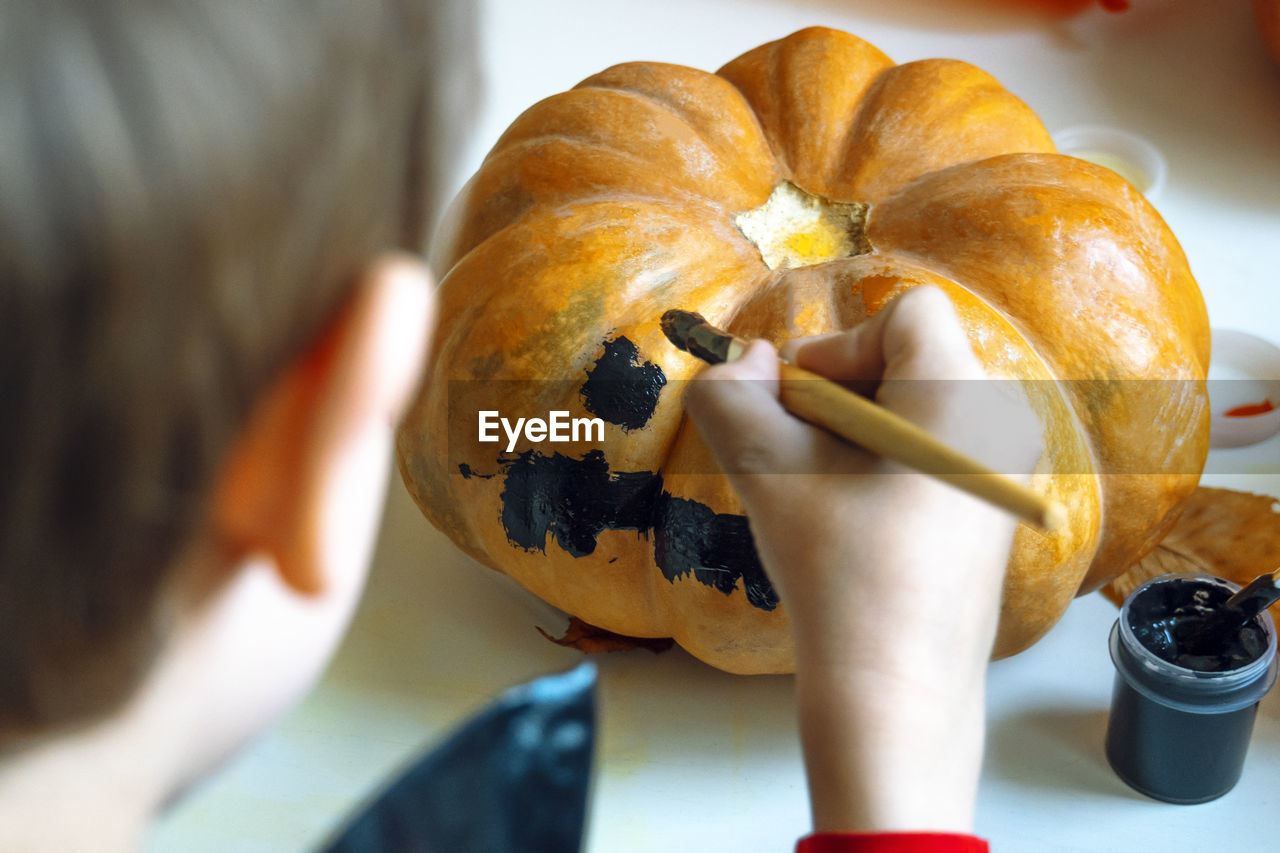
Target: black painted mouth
575,500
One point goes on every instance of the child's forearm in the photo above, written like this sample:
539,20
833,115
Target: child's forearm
894,759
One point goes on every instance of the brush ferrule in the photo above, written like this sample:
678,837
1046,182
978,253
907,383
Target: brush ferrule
709,343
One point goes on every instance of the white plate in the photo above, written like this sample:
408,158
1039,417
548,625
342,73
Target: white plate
1243,370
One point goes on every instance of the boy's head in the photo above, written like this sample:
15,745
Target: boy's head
194,197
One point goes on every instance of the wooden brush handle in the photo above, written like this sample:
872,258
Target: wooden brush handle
861,421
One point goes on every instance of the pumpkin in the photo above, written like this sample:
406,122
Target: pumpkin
796,191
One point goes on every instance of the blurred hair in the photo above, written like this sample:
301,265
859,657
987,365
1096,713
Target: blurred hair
187,190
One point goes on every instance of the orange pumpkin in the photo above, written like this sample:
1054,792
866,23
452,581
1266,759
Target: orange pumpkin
794,192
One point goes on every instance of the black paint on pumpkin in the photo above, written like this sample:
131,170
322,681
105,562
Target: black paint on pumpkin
620,389
716,547
465,470
575,500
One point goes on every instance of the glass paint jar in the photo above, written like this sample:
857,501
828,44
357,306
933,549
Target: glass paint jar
1180,724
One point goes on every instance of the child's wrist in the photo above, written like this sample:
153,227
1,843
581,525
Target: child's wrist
894,758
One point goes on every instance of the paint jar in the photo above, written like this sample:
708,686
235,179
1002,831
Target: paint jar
1180,723
1128,155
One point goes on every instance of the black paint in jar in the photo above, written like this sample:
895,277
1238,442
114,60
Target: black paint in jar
1180,723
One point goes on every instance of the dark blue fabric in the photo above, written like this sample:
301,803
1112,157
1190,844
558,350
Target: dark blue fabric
513,779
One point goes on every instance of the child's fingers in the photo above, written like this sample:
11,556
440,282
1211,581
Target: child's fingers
790,348
916,336
736,410
922,338
916,359
933,377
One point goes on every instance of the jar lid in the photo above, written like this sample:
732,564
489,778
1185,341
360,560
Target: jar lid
1179,687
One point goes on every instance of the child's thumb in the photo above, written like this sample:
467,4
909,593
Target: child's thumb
736,410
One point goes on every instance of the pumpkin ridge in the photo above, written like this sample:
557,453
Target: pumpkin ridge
958,206
934,114
714,212
679,116
481,304
782,79
564,116
854,127
525,171
561,108
748,123
576,142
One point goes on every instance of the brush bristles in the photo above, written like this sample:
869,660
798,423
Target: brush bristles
677,326
690,331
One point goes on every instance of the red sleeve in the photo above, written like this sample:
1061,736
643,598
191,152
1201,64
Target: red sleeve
891,842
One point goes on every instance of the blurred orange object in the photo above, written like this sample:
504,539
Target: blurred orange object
1268,14
1070,7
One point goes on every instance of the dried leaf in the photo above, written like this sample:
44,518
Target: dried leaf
1234,535
589,639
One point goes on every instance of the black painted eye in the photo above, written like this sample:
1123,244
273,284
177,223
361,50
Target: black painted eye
620,388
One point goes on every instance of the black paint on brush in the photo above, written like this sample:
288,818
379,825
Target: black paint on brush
689,331
575,500
620,388
677,324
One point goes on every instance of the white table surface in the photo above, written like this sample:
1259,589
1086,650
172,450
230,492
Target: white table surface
690,758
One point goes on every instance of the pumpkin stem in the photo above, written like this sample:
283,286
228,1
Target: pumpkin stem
795,228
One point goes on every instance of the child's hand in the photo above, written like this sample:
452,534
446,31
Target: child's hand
892,579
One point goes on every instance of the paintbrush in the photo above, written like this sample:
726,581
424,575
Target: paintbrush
855,418
1234,613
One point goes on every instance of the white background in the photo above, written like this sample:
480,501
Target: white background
690,758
